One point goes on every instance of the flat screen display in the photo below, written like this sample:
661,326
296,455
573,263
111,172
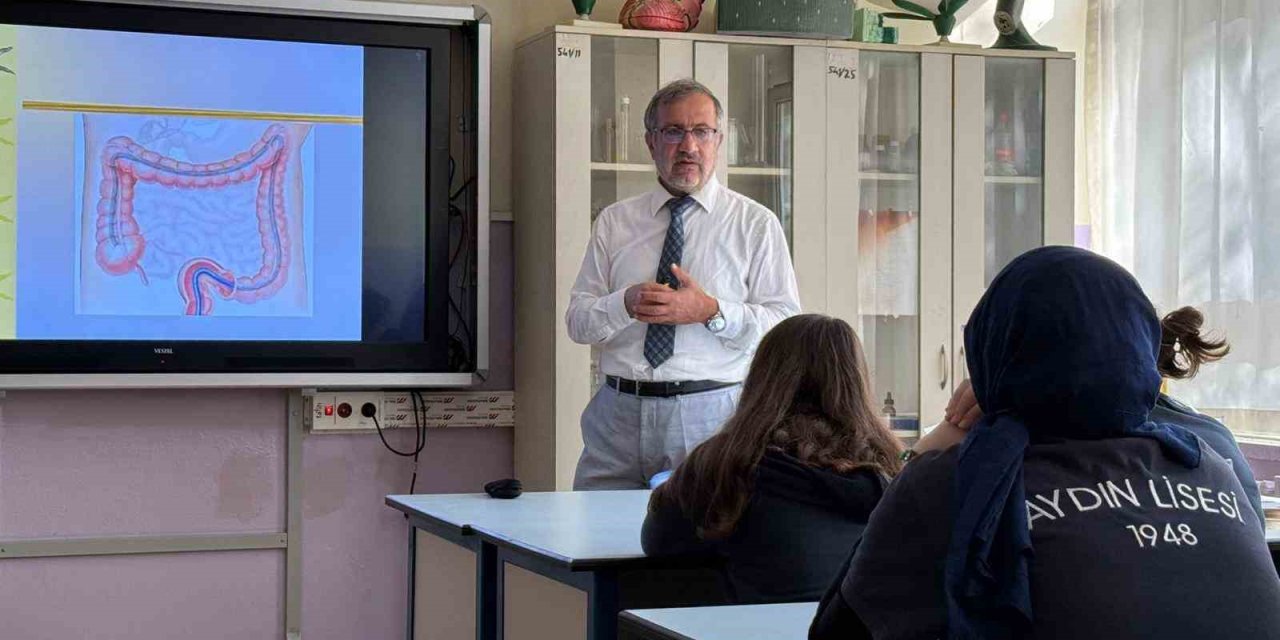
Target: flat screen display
202,191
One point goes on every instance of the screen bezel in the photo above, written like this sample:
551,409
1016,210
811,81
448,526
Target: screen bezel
258,357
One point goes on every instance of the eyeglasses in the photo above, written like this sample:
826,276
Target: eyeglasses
675,135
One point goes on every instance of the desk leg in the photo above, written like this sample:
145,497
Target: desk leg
488,605
602,606
413,574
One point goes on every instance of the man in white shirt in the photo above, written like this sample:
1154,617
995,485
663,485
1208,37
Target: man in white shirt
675,346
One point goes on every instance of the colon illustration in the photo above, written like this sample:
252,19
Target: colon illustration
185,216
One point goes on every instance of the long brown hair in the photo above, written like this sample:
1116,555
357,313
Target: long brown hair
1182,348
807,394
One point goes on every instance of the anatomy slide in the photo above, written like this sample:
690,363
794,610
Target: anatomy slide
193,216
179,187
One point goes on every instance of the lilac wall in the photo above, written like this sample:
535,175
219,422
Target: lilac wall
80,463
233,594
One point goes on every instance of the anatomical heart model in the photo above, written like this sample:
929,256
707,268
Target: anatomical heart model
661,15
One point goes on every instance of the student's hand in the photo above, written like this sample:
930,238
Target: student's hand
961,414
687,305
632,297
943,436
963,410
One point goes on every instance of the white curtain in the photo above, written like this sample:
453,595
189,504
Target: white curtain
1183,123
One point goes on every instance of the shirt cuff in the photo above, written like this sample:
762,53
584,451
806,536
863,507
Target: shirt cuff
733,313
615,305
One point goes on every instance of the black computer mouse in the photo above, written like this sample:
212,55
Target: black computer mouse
506,489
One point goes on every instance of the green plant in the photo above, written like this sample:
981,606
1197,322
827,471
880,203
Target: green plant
943,21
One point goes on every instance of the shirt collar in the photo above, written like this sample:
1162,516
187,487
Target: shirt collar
706,197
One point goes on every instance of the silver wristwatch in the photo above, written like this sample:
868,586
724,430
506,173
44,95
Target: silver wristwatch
716,323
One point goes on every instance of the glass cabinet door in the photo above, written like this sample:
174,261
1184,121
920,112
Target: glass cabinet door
889,231
757,144
624,76
1014,161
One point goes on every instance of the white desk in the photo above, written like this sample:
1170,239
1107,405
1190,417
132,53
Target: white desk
544,565
570,528
758,622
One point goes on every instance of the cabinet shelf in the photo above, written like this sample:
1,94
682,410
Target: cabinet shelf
887,177
1013,179
758,171
622,167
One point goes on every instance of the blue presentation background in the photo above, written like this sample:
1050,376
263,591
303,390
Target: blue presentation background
75,65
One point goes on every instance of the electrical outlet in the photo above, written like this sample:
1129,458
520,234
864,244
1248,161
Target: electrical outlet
343,411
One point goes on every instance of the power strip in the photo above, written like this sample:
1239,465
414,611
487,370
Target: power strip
342,411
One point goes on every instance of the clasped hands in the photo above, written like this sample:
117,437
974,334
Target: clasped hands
654,303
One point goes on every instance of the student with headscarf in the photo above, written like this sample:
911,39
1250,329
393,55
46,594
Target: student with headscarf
1182,352
784,490
1066,512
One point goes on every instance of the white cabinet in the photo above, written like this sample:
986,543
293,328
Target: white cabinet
905,177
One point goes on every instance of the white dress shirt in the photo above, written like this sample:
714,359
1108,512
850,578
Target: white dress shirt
734,248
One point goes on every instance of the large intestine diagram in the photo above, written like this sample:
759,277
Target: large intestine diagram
251,224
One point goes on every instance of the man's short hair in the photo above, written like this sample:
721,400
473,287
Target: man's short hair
675,91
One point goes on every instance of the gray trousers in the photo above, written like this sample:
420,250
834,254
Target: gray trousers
627,439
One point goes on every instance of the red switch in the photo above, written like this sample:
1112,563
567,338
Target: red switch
328,409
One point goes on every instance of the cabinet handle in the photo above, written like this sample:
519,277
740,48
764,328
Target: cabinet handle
964,366
943,361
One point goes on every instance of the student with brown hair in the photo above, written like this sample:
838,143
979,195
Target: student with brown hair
1182,348
784,490
1182,351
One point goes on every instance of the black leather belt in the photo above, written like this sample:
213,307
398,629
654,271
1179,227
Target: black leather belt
664,389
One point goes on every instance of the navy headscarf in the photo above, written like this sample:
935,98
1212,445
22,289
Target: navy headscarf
1063,345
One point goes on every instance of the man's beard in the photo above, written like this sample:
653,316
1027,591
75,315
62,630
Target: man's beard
682,180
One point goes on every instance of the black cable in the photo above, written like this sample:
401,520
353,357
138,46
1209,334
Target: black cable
463,360
407,454
463,323
461,189
462,236
419,407
419,439
422,431
464,347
